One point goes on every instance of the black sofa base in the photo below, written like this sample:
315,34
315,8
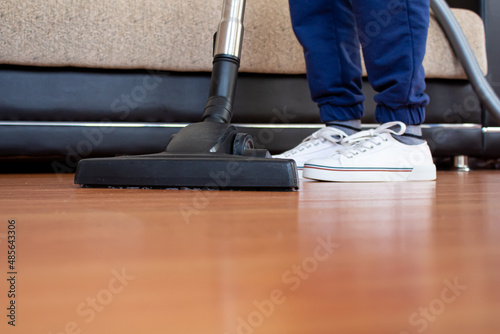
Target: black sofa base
76,141
75,113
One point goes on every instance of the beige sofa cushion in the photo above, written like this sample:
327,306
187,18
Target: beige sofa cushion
176,35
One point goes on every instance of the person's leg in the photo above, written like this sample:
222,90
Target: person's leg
326,30
393,35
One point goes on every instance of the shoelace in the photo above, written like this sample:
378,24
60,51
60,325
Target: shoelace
327,133
366,140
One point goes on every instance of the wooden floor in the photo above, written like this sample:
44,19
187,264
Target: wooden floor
332,258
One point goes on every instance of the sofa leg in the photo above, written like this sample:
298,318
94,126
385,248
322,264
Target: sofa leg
461,163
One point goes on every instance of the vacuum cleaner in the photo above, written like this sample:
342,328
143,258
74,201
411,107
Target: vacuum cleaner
462,49
211,154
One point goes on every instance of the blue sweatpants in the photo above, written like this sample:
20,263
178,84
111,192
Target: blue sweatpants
393,36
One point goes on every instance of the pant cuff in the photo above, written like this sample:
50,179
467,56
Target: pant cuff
411,115
331,113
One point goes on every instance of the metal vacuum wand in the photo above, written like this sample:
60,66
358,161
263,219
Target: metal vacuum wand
229,38
227,53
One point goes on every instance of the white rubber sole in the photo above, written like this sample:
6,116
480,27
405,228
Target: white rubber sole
369,174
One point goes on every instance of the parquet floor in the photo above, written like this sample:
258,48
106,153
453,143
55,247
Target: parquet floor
391,258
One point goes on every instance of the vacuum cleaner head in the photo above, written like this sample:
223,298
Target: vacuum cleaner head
211,154
192,171
205,155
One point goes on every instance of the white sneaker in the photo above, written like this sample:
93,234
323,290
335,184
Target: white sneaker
321,144
372,156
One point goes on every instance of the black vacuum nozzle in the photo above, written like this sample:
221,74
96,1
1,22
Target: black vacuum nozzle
206,155
192,171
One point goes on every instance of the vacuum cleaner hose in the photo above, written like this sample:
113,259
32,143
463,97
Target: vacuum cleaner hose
466,56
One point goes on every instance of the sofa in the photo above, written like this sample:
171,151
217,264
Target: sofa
101,78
